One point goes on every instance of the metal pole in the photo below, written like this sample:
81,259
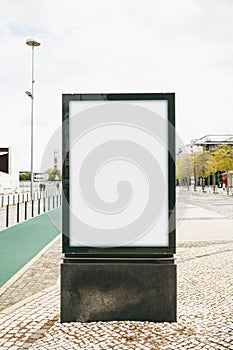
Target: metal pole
32,109
7,215
32,43
25,210
17,212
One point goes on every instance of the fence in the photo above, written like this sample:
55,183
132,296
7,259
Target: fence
24,186
15,208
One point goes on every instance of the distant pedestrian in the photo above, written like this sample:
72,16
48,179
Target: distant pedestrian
58,185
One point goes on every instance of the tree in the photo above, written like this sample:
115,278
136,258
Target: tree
223,159
25,177
183,169
211,164
201,166
54,174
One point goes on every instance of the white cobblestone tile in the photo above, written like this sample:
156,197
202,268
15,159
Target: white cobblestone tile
205,292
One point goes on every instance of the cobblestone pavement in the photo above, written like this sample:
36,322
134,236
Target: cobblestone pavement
29,316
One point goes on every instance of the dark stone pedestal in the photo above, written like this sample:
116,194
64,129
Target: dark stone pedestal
118,290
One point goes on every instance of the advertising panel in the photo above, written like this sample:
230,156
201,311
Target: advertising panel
119,173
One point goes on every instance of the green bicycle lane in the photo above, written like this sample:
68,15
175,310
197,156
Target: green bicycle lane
20,243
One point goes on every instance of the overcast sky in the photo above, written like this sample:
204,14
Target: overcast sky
182,46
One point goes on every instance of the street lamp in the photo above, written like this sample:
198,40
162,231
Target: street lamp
32,43
28,93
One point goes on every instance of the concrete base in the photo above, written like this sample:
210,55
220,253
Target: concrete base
104,291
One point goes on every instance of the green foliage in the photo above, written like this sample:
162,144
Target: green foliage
25,177
200,163
218,159
222,157
183,166
54,174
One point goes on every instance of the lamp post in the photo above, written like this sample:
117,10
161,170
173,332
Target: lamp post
32,43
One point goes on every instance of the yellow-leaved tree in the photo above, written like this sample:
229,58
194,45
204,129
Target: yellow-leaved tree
222,159
201,166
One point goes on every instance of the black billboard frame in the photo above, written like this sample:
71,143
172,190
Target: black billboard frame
165,252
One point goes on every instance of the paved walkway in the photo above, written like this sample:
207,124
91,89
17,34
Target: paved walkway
29,314
30,301
197,221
